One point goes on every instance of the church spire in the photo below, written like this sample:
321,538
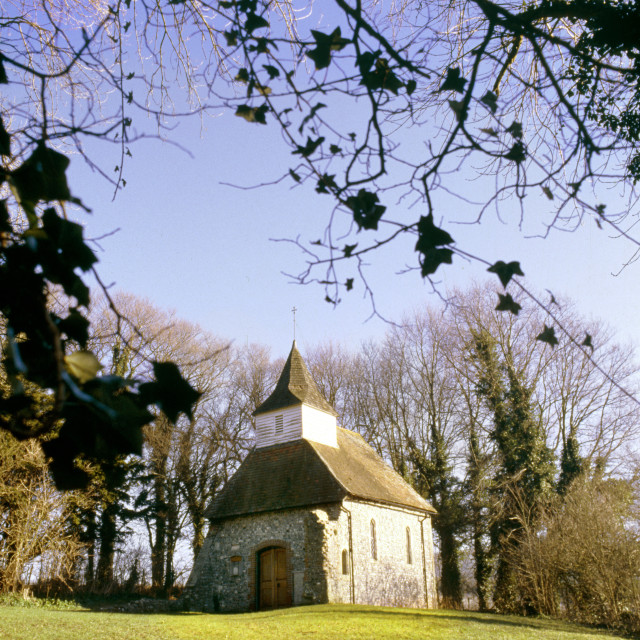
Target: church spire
295,386
296,409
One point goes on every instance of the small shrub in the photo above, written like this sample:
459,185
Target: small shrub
28,602
581,557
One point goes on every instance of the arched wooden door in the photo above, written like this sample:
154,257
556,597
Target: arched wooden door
274,590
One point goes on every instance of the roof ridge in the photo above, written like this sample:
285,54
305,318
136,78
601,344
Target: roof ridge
403,494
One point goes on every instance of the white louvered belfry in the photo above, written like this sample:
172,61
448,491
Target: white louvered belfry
295,409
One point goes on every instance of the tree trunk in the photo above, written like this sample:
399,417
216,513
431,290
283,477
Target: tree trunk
90,538
160,440
450,581
198,534
172,535
158,550
107,534
478,519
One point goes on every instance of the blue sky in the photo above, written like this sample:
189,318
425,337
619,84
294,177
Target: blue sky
189,242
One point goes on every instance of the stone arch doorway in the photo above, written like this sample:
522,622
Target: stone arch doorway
273,585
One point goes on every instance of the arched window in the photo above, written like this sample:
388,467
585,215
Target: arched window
409,558
374,543
345,562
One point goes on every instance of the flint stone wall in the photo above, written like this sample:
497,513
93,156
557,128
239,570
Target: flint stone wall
315,539
213,586
389,580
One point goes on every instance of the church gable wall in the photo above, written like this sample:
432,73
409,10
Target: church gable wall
232,547
390,579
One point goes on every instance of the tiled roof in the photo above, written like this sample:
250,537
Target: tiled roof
304,473
295,386
364,474
282,476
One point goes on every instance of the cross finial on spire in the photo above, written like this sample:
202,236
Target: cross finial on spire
294,322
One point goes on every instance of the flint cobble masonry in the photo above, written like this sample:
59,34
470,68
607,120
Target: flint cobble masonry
315,540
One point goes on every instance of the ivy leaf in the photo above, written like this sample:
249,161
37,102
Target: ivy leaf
170,391
517,153
548,336
506,271
67,238
454,81
587,342
82,365
5,221
334,149
262,45
515,129
41,177
410,86
242,75
382,77
366,60
547,192
231,37
349,284
66,475
325,44
3,74
366,209
457,106
430,236
273,72
5,140
507,303
309,147
326,184
75,326
60,251
311,115
490,100
321,55
349,249
294,175
254,22
253,114
433,258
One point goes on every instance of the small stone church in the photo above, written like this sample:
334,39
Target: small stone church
312,515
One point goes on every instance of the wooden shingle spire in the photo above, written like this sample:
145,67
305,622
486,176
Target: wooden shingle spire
295,386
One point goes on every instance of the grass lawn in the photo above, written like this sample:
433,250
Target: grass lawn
334,622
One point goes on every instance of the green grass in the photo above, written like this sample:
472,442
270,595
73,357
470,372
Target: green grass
326,621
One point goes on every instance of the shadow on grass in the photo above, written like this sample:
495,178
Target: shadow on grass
426,615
